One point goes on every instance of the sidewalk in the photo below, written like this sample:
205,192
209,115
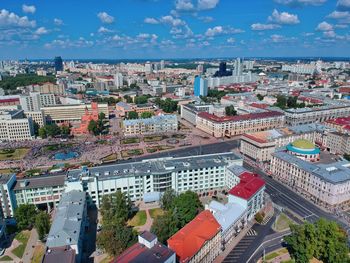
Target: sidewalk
147,226
231,245
28,252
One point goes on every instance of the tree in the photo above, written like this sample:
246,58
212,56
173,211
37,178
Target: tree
168,105
146,115
259,217
132,115
292,102
167,200
186,206
65,129
347,157
116,208
25,216
128,99
164,226
230,111
52,130
324,240
141,99
42,133
92,127
281,102
36,128
115,239
42,224
259,96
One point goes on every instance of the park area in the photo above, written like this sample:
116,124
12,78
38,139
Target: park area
132,152
13,154
158,148
129,141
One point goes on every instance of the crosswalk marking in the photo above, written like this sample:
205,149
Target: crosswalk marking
251,232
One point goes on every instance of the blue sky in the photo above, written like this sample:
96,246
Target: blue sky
119,29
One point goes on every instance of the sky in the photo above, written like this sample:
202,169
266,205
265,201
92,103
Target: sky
142,29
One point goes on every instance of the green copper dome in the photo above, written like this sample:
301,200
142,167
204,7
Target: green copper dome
303,144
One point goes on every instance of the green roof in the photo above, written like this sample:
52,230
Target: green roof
303,144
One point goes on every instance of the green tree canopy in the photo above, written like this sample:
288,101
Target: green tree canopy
42,224
230,111
164,226
146,115
132,115
25,215
115,208
168,198
168,105
324,240
141,99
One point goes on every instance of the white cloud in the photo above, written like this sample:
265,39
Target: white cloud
41,31
68,43
10,20
105,18
117,38
58,22
295,3
207,4
206,19
29,9
341,26
220,30
171,20
184,5
231,40
330,34
259,26
275,38
338,14
151,20
104,30
343,4
283,18
324,26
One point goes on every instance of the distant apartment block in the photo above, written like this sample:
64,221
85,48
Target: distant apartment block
236,125
14,126
153,125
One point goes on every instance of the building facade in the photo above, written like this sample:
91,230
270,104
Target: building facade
237,125
153,125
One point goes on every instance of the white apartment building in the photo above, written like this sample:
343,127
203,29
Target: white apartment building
316,114
235,125
153,125
300,68
7,198
14,126
327,184
35,101
36,116
195,173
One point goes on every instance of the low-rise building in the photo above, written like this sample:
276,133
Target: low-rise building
236,125
147,250
7,198
198,241
153,125
69,223
249,193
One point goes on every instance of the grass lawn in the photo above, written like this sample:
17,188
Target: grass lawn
130,140
272,255
282,223
275,254
6,171
6,258
159,148
156,212
154,138
110,158
38,253
132,152
179,136
139,219
13,154
22,237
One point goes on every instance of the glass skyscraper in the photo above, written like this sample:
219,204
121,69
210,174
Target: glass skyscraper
58,64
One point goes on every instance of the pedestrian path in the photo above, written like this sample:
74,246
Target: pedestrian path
147,226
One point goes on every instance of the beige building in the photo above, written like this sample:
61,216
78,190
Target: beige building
68,113
36,116
14,126
338,143
50,88
260,145
153,125
316,114
236,125
327,184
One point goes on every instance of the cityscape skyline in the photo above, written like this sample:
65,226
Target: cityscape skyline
174,29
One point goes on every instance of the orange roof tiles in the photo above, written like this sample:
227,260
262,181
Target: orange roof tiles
189,239
249,185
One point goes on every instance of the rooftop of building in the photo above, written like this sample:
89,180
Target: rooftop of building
59,254
248,186
245,117
67,223
154,166
189,239
328,169
337,105
153,120
4,178
303,144
40,181
344,121
227,214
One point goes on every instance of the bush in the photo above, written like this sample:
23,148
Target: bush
259,217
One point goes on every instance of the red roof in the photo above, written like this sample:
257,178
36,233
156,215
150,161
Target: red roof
344,90
251,116
259,105
248,186
340,121
190,239
9,100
